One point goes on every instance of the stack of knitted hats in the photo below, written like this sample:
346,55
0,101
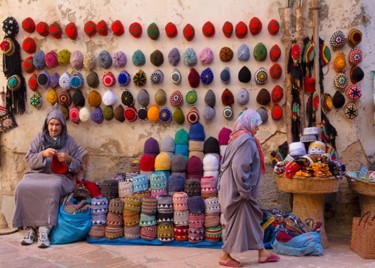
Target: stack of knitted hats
114,228
212,227
165,231
125,188
141,185
181,216
148,218
151,147
208,186
168,145
223,136
132,208
196,140
158,183
163,163
99,209
194,175
211,165
181,143
196,208
109,189
178,165
176,183
147,165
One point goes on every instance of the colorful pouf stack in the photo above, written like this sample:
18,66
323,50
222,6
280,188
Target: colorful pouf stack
114,223
223,137
148,218
99,209
196,140
125,188
178,165
109,189
196,208
211,165
147,165
181,216
132,208
151,146
158,184
181,143
163,163
167,145
212,225
141,185
176,183
208,187
165,231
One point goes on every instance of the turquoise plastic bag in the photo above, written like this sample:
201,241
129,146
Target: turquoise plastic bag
70,227
301,245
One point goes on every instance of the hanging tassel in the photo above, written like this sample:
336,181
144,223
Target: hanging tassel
12,65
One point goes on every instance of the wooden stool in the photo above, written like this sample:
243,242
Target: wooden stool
308,197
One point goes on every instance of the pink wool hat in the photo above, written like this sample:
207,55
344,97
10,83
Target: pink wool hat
224,135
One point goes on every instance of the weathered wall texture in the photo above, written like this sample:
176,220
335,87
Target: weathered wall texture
112,145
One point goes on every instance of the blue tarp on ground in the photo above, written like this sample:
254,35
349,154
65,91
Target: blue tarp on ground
155,242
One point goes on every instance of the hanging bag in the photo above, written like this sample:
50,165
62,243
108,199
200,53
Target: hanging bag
363,235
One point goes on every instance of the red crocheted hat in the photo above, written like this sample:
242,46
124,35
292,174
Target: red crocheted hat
28,65
275,53
255,25
28,25
277,93
275,71
227,29
276,112
55,30
273,27
102,28
42,28
171,30
227,97
135,29
117,28
241,30
71,31
57,166
29,45
33,82
90,28
189,32
208,29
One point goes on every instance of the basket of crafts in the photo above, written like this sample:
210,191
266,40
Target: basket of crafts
307,185
362,183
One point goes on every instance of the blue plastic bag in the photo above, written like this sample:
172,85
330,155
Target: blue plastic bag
301,245
70,227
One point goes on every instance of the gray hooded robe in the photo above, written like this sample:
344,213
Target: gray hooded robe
39,192
238,188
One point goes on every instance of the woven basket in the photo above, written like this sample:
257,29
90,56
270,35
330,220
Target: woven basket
363,236
307,185
361,186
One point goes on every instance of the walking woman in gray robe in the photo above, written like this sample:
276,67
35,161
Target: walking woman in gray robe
39,192
241,167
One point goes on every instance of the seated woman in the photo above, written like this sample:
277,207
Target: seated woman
53,158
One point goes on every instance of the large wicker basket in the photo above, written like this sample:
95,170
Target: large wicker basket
361,186
307,185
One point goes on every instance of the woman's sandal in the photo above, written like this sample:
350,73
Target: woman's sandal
271,258
230,263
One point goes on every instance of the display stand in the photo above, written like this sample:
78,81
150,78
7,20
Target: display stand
308,197
367,193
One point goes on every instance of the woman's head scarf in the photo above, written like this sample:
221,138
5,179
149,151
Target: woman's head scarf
247,123
47,140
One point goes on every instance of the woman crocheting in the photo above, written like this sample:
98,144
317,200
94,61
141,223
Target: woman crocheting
241,167
53,158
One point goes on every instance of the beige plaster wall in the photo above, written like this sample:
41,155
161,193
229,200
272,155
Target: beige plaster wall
112,145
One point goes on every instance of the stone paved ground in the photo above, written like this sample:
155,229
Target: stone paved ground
83,254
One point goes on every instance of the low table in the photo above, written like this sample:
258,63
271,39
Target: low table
308,197
366,190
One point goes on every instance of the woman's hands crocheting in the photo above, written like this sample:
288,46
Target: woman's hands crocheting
64,157
49,152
